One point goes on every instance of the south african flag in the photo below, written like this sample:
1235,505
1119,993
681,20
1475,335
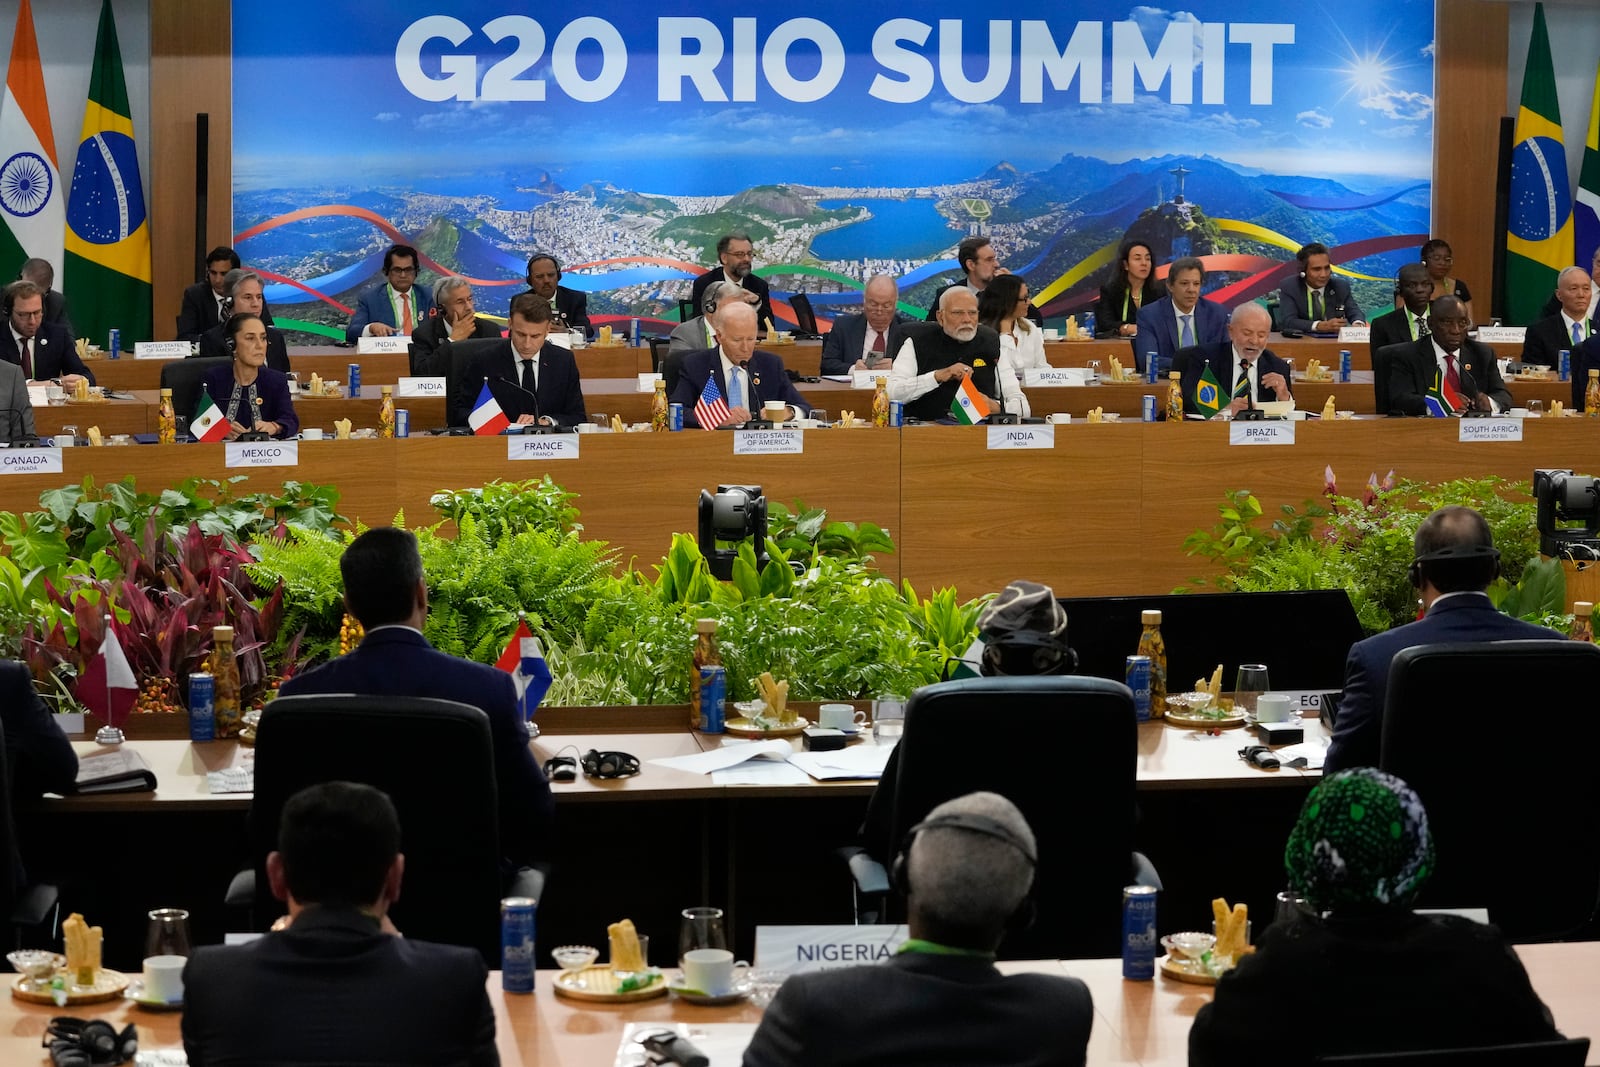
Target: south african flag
1443,401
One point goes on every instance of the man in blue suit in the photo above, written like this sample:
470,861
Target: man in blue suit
862,342
397,306
384,588
1181,319
756,377
1317,302
1455,560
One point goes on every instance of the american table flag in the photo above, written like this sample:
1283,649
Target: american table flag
711,410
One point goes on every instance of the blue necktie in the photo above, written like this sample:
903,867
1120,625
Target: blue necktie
1186,338
736,397
1577,333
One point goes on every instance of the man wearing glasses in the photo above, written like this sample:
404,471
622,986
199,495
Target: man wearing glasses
736,254
862,342
934,357
397,306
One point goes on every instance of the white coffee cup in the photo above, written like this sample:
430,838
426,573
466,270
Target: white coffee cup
840,716
1272,707
775,410
312,433
163,978
65,440
711,970
1052,335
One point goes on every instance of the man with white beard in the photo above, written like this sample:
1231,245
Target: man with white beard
936,356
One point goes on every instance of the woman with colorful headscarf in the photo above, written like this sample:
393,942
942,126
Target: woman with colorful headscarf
1384,978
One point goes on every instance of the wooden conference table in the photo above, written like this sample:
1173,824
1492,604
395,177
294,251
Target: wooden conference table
1136,1023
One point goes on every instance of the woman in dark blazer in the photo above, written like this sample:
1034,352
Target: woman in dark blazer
252,396
1132,285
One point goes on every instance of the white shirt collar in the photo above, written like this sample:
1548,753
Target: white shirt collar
1569,323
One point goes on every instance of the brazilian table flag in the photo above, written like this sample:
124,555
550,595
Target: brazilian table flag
1208,393
1539,222
108,231
1586,212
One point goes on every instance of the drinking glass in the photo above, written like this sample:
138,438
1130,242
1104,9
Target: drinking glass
1290,907
1536,407
888,719
1248,685
167,933
701,928
1094,372
820,415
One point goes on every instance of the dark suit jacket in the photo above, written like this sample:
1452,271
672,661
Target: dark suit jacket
214,342
433,332
54,353
1158,330
1390,328
574,307
374,306
55,309
753,282
768,381
332,988
272,389
39,758
1108,317
1294,311
560,392
16,410
400,662
1219,357
842,345
199,312
1358,728
1035,316
1411,376
1543,342
918,1008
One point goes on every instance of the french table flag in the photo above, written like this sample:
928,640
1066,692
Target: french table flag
487,419
523,659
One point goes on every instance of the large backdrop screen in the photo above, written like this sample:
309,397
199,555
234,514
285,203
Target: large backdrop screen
852,140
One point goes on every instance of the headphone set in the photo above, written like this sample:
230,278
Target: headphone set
1455,554
900,873
75,1042
1028,652
598,764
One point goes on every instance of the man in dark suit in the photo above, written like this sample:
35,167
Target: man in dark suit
980,263
202,302
747,379
736,254
1180,319
1467,372
395,306
966,870
384,588
1455,560
39,758
1569,327
533,380
242,295
1409,322
45,351
863,342
570,306
453,320
41,273
1246,371
1553,305
337,983
1317,302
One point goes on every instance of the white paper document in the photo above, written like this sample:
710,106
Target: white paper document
1314,752
856,761
761,772
731,754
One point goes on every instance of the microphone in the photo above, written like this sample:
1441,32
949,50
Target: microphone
537,426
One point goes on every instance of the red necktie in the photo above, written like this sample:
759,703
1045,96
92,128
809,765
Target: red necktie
1451,377
877,341
27,358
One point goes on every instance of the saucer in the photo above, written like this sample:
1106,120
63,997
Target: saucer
135,993
740,991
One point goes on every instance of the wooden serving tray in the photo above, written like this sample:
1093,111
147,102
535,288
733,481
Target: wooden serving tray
108,985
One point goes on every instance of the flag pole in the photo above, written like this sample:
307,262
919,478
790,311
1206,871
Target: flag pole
108,734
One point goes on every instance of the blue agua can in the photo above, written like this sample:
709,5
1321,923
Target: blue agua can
202,707
897,413
352,386
633,333
713,691
1150,361
402,422
114,344
1138,679
1344,364
516,944
674,416
1148,408
1139,933
1566,365
1088,323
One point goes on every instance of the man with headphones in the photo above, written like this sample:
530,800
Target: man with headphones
966,870
1317,301
1455,560
44,350
544,281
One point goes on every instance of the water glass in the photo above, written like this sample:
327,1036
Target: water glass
1094,372
1536,408
167,933
1248,686
820,416
1290,907
701,928
764,986
888,719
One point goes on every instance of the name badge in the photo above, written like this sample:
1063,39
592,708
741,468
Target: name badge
542,446
261,453
420,387
1355,334
1489,430
1007,438
373,346
161,349
801,949
866,379
774,442
647,382
1055,377
1507,334
1261,433
30,461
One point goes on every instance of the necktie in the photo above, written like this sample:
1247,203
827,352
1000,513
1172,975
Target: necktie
27,358
405,306
1186,337
529,382
1241,388
1422,326
1452,377
1318,312
1577,333
736,397
877,341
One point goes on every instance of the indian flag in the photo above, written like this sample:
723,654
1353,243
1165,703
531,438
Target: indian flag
1539,220
208,423
969,406
1208,394
32,203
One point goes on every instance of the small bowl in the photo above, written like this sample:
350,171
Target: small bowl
1197,702
35,964
574,957
1344,414
1189,945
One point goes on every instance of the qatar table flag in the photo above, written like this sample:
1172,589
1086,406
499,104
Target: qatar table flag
32,202
108,231
107,686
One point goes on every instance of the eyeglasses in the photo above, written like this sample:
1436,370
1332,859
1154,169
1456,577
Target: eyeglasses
402,272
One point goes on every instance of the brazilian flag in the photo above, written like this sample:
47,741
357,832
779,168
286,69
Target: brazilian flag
1208,393
1539,223
108,228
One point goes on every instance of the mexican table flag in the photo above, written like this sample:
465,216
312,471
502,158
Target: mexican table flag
32,202
208,423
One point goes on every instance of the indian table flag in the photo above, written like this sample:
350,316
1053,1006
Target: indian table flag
32,202
1208,393
1539,219
208,423
968,405
108,233
1586,212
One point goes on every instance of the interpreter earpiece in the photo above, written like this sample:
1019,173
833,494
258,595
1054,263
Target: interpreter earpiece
1457,555
77,1042
598,764
899,870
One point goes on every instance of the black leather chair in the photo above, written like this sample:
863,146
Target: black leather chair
1382,362
1573,1052
183,376
1513,829
435,759
1180,363
687,310
805,318
1083,819
31,907
463,379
